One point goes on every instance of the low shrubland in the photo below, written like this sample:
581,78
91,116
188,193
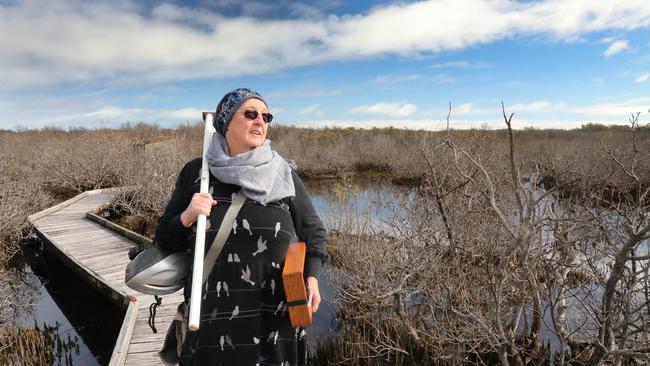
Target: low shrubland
501,258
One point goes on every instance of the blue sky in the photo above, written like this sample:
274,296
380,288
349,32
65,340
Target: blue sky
554,63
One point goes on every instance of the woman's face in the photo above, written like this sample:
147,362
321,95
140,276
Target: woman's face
244,134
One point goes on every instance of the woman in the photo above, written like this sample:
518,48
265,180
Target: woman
244,317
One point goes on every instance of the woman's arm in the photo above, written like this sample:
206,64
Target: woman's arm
170,231
309,228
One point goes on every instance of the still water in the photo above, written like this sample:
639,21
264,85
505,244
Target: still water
81,325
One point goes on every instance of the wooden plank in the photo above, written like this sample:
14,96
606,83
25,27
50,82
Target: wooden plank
120,351
108,254
99,195
72,225
47,211
94,245
99,240
143,359
152,345
107,237
90,234
59,224
81,248
91,251
119,229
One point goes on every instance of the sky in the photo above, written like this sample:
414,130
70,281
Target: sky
553,63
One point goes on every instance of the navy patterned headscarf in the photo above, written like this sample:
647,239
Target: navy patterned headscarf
229,105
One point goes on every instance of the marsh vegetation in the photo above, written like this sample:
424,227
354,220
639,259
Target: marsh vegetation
509,246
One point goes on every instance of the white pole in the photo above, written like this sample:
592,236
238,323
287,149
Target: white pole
199,246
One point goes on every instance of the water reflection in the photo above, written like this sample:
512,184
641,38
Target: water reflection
77,324
361,205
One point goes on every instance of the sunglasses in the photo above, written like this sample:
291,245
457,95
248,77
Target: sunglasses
252,115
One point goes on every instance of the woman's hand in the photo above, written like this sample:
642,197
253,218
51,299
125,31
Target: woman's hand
314,298
201,204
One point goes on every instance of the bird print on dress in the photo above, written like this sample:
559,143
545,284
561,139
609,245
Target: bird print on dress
303,333
261,246
273,336
277,228
235,312
229,257
218,287
246,275
275,265
247,226
279,307
236,258
256,340
234,227
213,316
272,286
225,287
205,296
225,339
211,190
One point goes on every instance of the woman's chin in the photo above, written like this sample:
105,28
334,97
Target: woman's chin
255,144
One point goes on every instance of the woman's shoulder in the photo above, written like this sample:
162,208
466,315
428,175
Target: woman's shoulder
192,167
194,163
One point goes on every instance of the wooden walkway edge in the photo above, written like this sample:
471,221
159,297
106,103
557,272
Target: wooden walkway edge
97,251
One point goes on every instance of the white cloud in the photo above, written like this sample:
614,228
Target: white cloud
399,109
516,84
444,79
461,65
320,92
608,40
534,107
469,109
616,47
313,110
642,78
50,42
617,112
36,111
396,78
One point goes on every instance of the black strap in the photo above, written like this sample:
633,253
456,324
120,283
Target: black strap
152,313
297,302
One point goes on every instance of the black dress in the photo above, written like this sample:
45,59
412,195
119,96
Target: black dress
244,317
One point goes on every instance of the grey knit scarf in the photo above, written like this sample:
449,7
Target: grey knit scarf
262,173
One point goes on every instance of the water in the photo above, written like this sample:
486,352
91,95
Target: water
81,324
360,205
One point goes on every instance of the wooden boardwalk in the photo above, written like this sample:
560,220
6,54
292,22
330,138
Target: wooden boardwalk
100,255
